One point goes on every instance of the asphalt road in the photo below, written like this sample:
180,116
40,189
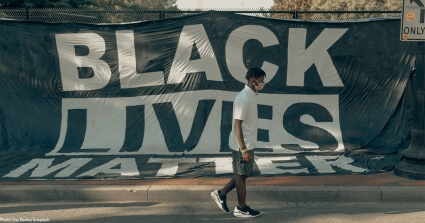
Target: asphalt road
187,211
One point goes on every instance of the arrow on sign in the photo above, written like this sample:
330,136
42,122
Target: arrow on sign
419,3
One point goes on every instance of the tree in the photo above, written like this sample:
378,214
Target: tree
91,4
136,4
133,5
132,9
289,5
47,3
356,5
333,5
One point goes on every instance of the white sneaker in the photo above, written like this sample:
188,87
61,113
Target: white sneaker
245,212
220,202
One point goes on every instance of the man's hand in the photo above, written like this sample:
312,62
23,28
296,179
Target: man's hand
246,156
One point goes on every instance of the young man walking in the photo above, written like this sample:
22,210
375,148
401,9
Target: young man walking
242,142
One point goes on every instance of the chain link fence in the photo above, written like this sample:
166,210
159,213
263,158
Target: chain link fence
121,16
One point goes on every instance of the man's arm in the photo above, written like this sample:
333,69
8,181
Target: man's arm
239,137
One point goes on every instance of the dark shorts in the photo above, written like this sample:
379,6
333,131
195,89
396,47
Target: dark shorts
240,166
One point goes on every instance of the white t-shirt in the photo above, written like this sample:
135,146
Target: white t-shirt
245,109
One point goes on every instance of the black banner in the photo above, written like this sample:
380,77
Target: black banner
154,99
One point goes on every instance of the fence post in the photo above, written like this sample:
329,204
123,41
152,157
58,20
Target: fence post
27,13
161,14
295,14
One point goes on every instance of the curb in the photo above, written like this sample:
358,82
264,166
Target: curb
201,193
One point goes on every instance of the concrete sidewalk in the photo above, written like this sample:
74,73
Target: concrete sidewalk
382,187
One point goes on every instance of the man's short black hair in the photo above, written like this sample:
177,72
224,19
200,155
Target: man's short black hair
255,73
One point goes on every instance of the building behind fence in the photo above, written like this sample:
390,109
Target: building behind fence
120,16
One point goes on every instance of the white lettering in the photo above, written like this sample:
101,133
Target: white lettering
222,165
106,121
324,164
234,50
267,165
43,167
190,36
69,62
279,165
129,78
278,135
301,59
128,167
169,167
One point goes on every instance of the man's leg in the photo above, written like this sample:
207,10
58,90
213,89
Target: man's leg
229,186
241,190
242,210
244,170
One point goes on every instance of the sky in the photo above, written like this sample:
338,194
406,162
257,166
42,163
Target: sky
225,4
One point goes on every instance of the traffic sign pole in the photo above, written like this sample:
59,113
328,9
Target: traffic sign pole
412,163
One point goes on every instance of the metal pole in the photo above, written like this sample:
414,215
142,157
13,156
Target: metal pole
295,15
27,13
412,163
161,14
